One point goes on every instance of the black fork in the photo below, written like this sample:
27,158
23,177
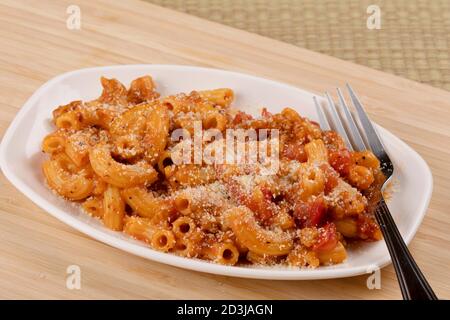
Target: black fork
413,284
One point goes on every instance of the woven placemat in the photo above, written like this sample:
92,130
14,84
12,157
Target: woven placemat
413,42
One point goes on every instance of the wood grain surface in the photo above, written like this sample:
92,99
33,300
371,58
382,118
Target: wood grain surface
36,249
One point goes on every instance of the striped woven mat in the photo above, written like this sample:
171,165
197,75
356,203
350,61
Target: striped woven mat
413,40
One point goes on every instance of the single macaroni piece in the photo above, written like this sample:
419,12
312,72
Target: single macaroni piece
146,205
139,228
257,239
113,208
186,247
220,97
316,151
126,158
73,186
142,229
54,142
119,174
183,227
163,240
223,253
94,206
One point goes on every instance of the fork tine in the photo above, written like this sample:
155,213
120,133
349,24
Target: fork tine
338,126
322,118
354,132
371,134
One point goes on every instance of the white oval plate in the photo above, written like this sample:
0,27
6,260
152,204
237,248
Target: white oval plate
21,158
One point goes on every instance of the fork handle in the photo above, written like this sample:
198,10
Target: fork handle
413,284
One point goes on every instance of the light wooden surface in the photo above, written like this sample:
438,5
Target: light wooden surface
35,45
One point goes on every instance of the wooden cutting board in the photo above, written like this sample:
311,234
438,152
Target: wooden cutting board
36,249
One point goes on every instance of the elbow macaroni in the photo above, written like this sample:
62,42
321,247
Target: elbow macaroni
113,155
254,237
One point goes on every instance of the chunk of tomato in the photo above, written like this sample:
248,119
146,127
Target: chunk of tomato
331,177
311,214
268,195
328,238
340,160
